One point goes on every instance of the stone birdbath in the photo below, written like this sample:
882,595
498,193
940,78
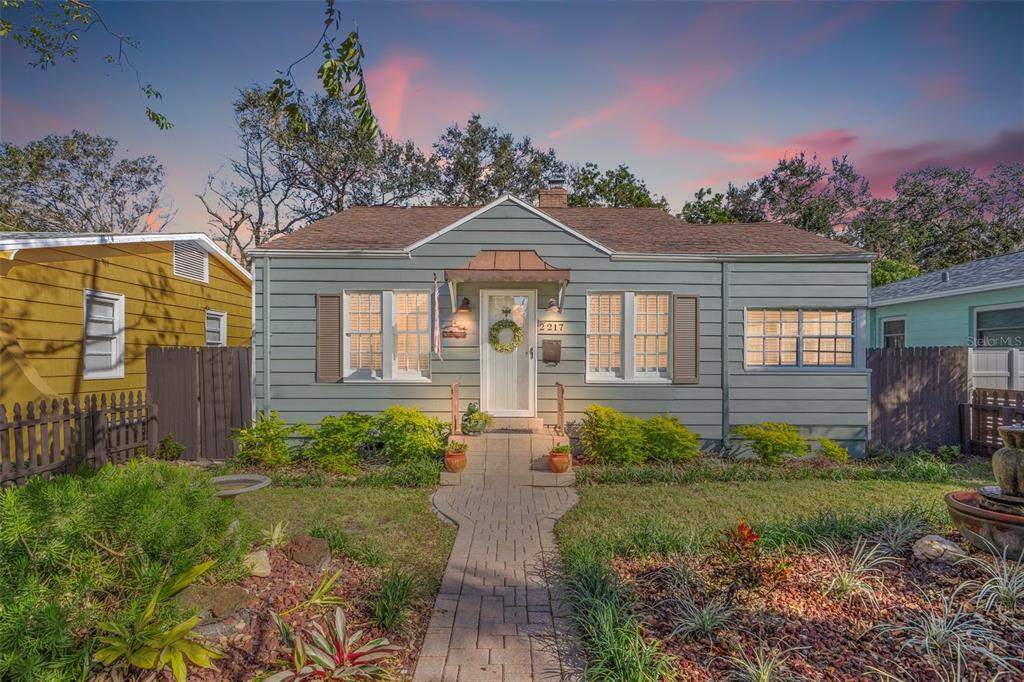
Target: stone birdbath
233,485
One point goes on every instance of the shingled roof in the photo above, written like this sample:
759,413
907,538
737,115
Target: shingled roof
988,273
621,230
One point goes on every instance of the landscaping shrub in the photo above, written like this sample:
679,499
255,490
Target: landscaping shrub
76,551
168,449
265,443
391,605
611,437
770,441
666,440
833,450
920,465
335,445
415,474
404,434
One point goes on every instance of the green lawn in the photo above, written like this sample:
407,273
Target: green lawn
395,521
611,510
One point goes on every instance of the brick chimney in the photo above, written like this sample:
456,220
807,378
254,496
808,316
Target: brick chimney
556,195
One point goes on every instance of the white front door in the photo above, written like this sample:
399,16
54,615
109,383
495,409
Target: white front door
508,380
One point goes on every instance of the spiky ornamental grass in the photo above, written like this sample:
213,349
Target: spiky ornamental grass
391,605
898,531
856,574
949,638
1002,586
693,619
763,664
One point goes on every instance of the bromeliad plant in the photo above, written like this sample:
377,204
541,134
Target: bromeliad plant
148,645
333,655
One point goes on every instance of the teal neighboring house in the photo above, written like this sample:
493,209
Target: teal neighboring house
978,304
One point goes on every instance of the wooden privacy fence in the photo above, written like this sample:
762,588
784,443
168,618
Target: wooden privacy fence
63,436
916,394
203,394
989,409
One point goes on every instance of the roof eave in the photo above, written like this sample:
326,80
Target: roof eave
333,253
740,257
963,291
50,241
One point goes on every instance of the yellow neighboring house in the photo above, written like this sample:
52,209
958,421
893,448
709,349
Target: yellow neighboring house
77,311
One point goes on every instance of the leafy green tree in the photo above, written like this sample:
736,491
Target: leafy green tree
745,204
801,192
887,271
706,208
400,174
617,187
76,183
481,163
944,211
52,32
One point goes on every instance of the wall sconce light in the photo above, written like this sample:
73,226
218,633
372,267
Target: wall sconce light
553,306
464,305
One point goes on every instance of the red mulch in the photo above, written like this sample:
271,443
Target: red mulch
831,639
253,646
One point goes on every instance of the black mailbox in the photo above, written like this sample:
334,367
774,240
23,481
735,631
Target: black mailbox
551,351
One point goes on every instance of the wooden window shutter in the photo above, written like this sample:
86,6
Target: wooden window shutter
329,338
685,339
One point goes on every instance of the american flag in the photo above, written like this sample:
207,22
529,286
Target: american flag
437,317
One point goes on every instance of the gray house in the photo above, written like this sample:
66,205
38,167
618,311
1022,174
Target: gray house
721,325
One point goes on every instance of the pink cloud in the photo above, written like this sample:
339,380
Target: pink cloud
413,99
939,88
645,95
885,164
26,121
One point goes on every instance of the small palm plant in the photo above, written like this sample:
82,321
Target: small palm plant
150,645
855,575
333,655
1002,588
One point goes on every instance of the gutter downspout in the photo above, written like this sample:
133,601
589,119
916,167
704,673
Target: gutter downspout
266,335
726,426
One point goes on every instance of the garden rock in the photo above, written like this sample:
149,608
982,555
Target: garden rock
213,602
308,551
937,549
258,563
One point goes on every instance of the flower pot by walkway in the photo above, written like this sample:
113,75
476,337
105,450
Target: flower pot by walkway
501,613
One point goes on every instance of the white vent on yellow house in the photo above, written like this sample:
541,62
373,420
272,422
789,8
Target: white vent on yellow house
191,261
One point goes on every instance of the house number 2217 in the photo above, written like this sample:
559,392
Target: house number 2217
549,327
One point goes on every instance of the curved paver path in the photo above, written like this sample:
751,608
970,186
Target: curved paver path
500,614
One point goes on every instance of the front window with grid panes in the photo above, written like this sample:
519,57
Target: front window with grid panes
412,334
364,334
798,338
651,334
628,336
387,335
604,335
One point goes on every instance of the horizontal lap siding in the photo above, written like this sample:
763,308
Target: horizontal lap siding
823,403
296,281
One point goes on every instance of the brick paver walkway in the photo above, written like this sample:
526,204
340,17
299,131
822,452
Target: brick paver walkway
500,614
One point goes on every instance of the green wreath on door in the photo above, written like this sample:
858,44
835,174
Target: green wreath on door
494,337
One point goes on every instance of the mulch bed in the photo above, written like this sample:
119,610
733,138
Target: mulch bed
250,640
829,638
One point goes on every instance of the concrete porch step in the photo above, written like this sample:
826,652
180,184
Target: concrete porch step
518,424
543,479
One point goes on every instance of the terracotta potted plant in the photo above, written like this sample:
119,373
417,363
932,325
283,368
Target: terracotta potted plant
455,456
560,458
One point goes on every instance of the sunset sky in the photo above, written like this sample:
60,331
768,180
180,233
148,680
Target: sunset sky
685,94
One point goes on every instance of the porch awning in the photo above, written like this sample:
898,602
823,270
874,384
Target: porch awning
507,266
